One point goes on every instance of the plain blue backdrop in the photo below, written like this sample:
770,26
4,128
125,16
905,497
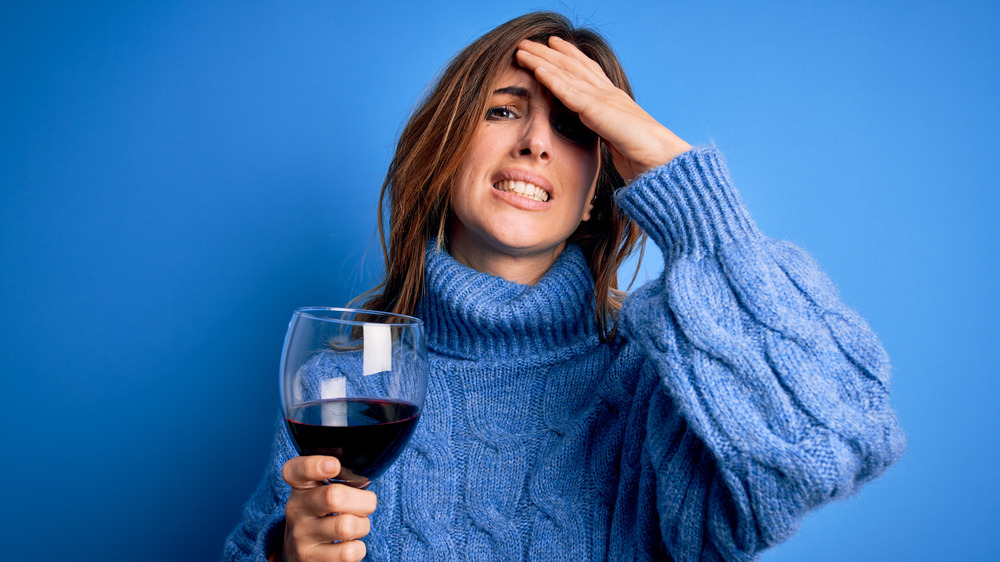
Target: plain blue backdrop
176,177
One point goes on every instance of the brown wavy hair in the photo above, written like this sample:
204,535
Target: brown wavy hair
418,184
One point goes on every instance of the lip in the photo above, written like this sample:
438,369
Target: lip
527,176
519,201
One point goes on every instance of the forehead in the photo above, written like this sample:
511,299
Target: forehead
516,76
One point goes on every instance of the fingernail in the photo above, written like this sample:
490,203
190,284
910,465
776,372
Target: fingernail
328,466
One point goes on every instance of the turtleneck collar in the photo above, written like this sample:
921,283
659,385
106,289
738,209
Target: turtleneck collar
482,317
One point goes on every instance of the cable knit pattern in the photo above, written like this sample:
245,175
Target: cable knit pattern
741,395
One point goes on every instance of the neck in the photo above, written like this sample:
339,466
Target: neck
526,268
476,315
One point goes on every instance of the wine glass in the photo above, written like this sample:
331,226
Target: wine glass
352,386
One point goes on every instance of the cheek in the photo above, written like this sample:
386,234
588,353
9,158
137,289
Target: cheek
588,167
470,172
486,144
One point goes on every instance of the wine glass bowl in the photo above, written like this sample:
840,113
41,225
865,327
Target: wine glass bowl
353,384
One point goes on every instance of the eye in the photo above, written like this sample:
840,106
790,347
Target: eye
568,125
500,113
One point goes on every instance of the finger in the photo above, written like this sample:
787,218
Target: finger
577,95
340,527
572,51
308,472
573,62
581,95
553,78
334,498
347,551
558,69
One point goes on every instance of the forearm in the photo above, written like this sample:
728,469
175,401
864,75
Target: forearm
784,385
259,533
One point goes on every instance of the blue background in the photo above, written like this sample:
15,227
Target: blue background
176,177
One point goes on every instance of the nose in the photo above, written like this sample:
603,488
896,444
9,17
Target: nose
536,138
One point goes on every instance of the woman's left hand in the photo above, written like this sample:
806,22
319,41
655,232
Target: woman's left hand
637,141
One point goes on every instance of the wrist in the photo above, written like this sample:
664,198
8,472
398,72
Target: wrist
671,146
667,147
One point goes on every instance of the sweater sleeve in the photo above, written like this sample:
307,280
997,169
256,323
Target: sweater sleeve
264,513
783,390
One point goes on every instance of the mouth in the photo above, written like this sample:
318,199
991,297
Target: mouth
522,188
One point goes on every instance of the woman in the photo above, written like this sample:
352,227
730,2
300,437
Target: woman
698,418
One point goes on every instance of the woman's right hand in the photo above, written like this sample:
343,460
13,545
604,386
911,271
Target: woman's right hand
323,522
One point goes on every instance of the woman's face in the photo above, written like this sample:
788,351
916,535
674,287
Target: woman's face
527,180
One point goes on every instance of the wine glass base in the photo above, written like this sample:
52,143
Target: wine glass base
359,484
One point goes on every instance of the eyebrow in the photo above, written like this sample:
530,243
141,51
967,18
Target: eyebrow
515,91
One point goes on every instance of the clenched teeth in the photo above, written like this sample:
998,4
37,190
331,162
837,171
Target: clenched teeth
524,189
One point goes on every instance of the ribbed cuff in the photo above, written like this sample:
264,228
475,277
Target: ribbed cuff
689,205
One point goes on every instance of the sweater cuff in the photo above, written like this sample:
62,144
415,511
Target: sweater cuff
688,206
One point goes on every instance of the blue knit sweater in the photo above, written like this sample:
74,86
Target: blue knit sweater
740,395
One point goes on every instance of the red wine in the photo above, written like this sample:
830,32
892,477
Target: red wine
365,434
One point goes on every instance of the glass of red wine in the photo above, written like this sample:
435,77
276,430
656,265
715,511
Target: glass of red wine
352,386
